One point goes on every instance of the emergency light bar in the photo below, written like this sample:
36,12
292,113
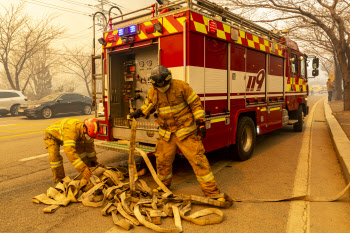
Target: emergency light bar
127,31
132,29
121,32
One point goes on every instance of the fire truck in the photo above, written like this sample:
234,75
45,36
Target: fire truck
250,80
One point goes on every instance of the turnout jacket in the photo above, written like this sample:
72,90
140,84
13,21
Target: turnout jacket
177,109
70,134
330,86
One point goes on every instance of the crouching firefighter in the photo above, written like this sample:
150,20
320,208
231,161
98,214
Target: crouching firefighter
180,116
77,138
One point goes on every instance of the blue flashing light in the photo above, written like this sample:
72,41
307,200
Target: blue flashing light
132,29
121,32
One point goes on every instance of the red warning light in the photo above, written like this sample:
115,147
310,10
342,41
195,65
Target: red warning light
111,38
150,29
212,27
132,68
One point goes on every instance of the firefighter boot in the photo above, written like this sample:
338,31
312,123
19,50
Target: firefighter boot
224,199
58,173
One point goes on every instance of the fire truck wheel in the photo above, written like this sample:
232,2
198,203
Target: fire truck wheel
245,139
298,126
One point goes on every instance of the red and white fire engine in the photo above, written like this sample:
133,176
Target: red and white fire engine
250,80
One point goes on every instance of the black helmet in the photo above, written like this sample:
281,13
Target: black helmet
160,76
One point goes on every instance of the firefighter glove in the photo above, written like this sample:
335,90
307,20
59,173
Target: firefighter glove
138,113
94,164
201,127
87,173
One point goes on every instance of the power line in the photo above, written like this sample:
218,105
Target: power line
79,37
56,7
75,34
77,3
73,37
115,4
53,53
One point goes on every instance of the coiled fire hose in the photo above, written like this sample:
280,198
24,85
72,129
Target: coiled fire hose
135,200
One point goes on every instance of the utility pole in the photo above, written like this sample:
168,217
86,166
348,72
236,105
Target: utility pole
100,7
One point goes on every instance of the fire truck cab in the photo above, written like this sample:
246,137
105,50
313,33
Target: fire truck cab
250,80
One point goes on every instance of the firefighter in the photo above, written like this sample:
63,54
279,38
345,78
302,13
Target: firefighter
77,138
311,90
180,116
330,89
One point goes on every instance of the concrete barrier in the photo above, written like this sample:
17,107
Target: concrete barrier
340,141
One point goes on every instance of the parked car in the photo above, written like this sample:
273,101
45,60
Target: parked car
55,104
10,100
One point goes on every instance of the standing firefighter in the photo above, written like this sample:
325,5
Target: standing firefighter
76,136
330,89
180,113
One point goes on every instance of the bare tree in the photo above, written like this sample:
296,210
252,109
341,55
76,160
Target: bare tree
63,88
78,63
39,71
338,80
328,20
21,37
317,43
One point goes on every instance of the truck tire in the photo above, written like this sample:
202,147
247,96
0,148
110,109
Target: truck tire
14,110
298,126
245,139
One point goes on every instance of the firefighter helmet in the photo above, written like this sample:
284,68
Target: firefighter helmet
160,76
92,127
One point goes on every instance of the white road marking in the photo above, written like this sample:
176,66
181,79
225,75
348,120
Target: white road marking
299,211
7,125
36,157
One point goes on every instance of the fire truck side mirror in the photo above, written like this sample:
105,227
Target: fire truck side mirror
315,72
315,63
102,41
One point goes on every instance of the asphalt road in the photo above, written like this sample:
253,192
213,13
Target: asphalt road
284,164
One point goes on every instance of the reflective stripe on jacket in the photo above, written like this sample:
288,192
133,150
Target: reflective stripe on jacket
177,108
71,134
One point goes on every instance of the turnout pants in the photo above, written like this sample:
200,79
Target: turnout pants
330,94
56,160
193,150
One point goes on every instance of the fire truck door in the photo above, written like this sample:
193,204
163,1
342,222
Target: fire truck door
216,96
275,83
237,80
256,85
255,78
215,83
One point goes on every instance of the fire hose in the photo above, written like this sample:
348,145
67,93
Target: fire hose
135,200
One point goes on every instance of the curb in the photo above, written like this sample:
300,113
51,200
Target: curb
340,141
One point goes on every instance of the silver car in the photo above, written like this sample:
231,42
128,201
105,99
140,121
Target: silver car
10,101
